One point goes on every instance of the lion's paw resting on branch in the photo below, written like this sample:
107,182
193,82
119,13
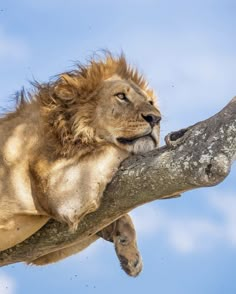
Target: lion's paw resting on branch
62,146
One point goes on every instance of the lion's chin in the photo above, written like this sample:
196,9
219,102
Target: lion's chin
143,145
140,145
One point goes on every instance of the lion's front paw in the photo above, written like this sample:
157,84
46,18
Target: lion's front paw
73,214
69,215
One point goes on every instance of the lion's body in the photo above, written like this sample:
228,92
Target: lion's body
59,150
27,174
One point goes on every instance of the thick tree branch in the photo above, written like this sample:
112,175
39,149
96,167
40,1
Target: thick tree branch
198,156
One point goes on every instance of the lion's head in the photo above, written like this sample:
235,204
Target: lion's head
104,102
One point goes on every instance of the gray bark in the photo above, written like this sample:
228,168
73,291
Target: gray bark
198,156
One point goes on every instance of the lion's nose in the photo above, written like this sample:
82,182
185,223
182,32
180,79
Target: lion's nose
151,118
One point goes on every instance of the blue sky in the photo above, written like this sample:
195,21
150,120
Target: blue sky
186,49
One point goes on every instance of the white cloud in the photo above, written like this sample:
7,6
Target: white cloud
7,284
12,47
226,206
191,234
147,220
188,235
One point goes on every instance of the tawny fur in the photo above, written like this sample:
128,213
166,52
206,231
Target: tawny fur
66,139
121,233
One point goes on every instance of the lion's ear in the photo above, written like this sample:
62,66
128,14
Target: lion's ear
66,87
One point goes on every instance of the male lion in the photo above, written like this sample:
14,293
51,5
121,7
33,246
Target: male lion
63,144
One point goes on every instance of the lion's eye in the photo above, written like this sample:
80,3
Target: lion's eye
122,96
151,102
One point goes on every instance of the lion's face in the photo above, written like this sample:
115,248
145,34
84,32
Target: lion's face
127,116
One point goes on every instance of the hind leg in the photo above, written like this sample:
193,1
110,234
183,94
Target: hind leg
121,233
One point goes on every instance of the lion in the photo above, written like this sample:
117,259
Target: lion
63,144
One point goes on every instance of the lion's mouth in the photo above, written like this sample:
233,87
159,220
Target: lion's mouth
130,141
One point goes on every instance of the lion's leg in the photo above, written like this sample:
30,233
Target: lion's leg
122,234
73,213
71,193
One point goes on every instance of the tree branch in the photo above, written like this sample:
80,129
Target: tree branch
198,156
